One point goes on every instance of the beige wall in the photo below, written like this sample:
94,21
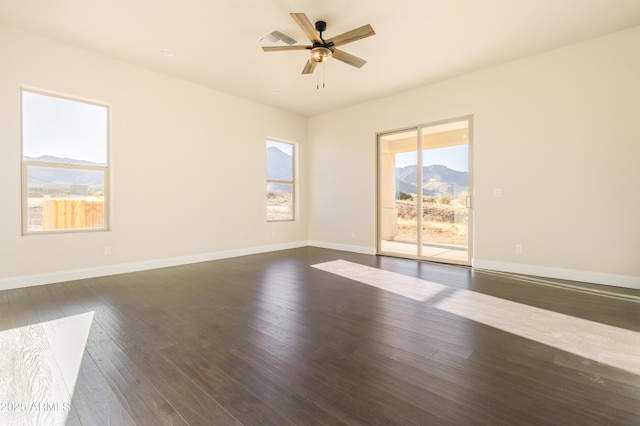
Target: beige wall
188,173
558,132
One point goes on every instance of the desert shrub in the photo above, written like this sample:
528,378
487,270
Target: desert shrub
406,210
439,213
429,200
433,211
401,195
445,199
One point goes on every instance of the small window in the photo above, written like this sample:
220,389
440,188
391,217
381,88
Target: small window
280,181
65,171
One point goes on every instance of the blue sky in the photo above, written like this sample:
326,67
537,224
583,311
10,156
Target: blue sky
287,148
454,157
63,128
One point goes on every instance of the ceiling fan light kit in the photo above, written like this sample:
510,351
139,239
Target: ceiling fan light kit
321,49
320,54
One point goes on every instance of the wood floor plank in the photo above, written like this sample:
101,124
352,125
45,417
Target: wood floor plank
197,331
347,407
269,339
19,311
238,401
126,329
555,400
478,394
134,391
403,400
95,401
67,302
306,357
43,304
570,385
276,394
189,400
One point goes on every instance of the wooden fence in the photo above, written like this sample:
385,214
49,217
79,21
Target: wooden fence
72,213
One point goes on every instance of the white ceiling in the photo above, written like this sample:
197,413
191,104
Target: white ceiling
216,42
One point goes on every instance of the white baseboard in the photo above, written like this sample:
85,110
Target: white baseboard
342,247
123,268
615,280
99,271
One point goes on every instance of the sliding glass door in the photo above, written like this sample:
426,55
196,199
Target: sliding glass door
397,186
424,187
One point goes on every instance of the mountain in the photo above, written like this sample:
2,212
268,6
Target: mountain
55,177
65,160
279,164
437,180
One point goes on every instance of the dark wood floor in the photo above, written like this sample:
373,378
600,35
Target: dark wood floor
267,339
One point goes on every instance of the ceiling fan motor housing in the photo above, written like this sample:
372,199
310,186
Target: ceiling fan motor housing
321,26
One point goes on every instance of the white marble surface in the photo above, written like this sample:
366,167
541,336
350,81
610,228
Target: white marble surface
39,367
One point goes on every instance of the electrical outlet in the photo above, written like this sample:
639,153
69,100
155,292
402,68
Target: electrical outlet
497,192
107,250
519,248
353,235
273,234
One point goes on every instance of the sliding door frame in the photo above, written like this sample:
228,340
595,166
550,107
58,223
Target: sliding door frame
420,204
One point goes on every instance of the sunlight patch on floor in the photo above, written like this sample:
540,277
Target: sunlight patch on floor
603,343
39,366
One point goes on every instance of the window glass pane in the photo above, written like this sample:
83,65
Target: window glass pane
55,130
64,198
279,161
58,131
279,201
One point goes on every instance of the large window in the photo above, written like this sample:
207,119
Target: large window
424,192
280,181
65,170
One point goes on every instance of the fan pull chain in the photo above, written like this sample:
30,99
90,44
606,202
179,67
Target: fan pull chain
324,73
318,77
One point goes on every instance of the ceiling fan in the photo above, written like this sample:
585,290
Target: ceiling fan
322,49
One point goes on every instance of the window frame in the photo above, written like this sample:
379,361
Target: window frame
292,182
25,164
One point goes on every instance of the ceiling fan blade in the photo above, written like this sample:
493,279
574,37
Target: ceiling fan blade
348,58
353,35
309,67
306,26
278,48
